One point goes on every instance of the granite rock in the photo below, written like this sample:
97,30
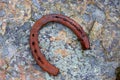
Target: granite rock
99,19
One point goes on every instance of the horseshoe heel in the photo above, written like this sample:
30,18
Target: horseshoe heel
39,57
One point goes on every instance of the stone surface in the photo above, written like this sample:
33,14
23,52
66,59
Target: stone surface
100,19
2,13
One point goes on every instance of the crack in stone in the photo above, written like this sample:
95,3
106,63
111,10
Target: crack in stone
105,52
90,30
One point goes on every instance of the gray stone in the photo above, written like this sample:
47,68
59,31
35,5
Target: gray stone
36,3
0,23
91,8
86,17
45,0
36,16
5,1
2,13
26,26
5,51
97,14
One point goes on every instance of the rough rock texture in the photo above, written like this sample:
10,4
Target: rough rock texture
99,18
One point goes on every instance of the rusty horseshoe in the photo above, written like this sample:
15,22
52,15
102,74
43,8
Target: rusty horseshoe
70,23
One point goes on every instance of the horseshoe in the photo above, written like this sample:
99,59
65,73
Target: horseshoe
70,23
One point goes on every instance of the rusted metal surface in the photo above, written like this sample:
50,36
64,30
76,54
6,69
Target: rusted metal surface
39,57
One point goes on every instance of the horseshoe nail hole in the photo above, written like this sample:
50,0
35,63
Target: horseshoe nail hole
33,43
33,35
40,60
56,16
35,51
83,35
81,40
65,19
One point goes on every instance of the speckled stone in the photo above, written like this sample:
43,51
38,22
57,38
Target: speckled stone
99,19
86,17
2,13
96,13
